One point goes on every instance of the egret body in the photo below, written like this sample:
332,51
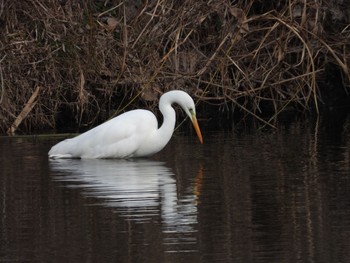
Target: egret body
132,134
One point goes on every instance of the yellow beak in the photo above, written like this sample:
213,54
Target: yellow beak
196,127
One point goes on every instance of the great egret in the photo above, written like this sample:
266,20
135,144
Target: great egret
131,134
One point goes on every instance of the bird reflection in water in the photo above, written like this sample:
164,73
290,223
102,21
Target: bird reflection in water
138,189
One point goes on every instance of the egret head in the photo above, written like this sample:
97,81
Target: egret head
187,104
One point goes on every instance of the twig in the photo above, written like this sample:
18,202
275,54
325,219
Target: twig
2,81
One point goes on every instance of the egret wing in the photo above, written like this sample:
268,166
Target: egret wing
119,137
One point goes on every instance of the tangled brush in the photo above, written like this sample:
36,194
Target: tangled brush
77,63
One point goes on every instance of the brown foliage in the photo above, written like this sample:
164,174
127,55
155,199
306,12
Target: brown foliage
93,59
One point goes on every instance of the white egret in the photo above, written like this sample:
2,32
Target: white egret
132,134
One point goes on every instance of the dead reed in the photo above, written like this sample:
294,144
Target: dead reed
93,59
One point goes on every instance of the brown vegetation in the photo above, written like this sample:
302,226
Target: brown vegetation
94,59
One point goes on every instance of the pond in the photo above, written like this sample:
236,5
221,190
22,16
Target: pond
254,196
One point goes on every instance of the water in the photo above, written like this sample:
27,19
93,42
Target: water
278,196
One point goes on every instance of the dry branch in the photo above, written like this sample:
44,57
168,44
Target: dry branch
26,110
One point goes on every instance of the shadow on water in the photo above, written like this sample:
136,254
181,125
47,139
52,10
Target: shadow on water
275,196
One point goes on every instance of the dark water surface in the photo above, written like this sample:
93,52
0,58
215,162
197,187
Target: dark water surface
278,196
